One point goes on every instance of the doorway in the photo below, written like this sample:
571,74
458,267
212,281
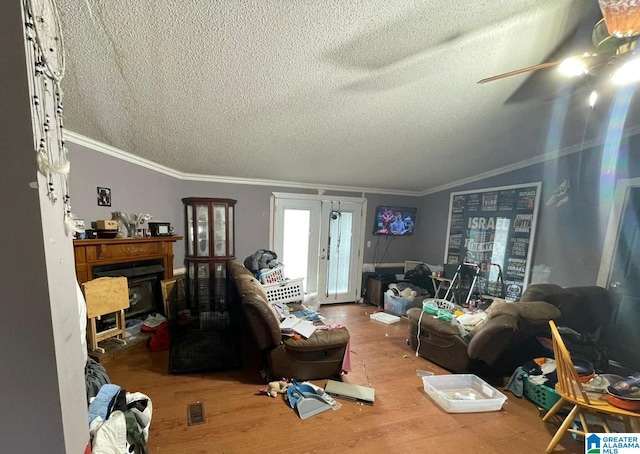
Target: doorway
319,238
620,273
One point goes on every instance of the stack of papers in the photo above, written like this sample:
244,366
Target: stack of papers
293,325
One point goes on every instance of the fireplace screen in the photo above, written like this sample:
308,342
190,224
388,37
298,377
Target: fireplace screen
143,279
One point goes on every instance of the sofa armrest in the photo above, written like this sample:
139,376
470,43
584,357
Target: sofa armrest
321,339
259,313
493,338
263,322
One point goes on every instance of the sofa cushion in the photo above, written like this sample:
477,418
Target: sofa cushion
431,323
527,310
540,292
321,339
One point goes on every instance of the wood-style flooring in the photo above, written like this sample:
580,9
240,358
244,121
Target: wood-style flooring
239,419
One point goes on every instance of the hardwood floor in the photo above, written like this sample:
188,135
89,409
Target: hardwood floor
403,419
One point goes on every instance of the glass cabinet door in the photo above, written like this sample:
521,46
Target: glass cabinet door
189,228
232,252
202,217
219,230
209,228
203,287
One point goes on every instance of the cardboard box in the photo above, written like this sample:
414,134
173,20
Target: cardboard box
108,224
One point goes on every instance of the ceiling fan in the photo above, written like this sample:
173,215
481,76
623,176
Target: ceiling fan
616,39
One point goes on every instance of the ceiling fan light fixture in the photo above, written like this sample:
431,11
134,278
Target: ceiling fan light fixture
573,67
628,72
622,17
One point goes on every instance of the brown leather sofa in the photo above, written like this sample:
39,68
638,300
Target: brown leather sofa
507,338
319,356
585,309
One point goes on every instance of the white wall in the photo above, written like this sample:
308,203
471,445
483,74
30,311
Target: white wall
42,404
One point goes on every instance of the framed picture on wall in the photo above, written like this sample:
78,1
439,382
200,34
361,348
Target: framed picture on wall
494,229
104,197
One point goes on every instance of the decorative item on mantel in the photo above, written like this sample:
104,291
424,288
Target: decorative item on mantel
128,223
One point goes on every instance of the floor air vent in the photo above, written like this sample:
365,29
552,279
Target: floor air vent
195,414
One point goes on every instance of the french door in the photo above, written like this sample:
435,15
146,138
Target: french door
320,240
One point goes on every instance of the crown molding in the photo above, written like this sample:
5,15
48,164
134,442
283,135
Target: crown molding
100,147
529,162
92,144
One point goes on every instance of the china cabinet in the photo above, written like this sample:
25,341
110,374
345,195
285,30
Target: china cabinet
209,245
206,334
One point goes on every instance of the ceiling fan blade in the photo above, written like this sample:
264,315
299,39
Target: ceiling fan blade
520,71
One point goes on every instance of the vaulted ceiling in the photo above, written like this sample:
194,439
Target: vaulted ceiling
377,95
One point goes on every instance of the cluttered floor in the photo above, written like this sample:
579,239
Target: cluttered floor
239,418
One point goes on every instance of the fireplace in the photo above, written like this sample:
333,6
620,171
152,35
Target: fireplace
143,279
145,262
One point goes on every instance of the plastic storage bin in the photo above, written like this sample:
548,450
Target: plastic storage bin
399,306
133,327
541,395
288,291
454,393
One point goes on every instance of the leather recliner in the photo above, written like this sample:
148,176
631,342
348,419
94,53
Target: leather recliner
507,338
319,356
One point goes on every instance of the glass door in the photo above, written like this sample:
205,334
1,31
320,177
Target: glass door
297,241
340,249
321,242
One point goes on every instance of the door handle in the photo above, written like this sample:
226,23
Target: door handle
614,284
322,256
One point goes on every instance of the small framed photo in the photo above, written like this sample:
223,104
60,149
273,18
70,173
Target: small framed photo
104,197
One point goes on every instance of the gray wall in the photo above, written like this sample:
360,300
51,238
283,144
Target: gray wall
569,238
43,403
393,249
135,188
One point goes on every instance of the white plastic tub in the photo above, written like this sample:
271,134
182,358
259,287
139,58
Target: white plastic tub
463,393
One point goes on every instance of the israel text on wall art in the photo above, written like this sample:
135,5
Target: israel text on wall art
494,229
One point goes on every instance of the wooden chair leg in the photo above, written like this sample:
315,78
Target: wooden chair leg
585,425
557,406
562,429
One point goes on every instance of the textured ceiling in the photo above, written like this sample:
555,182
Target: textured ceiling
363,94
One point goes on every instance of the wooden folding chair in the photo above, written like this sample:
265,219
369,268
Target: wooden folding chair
105,295
571,392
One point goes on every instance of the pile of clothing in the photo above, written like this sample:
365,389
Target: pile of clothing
538,371
119,421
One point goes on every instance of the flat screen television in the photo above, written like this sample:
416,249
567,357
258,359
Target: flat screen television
395,221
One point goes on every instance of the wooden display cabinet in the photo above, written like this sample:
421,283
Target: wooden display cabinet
210,243
207,335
